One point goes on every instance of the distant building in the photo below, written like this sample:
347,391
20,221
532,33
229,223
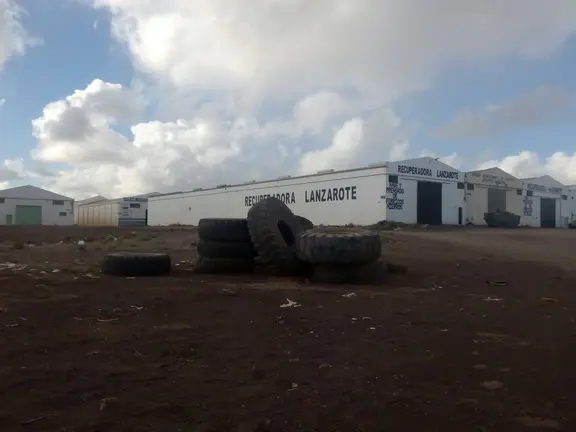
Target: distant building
123,212
31,205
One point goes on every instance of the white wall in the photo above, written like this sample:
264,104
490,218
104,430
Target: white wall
402,197
361,199
133,211
544,188
51,214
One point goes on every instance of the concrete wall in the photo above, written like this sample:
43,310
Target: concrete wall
354,196
51,214
478,184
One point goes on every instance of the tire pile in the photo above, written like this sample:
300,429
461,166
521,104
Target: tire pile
287,245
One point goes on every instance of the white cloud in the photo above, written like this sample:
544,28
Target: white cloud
561,166
12,170
13,37
260,88
539,106
381,48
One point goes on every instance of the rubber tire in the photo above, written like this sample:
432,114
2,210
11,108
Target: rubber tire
131,264
225,230
224,265
372,273
338,246
306,224
263,226
212,249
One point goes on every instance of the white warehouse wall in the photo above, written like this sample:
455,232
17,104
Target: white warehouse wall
477,194
403,196
353,196
51,214
98,214
544,187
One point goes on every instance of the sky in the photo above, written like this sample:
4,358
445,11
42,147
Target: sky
123,97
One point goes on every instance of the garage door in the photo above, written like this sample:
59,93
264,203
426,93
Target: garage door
547,213
496,200
28,215
429,203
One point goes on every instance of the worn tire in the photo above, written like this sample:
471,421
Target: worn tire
225,230
273,229
240,250
224,265
371,273
306,224
136,264
338,246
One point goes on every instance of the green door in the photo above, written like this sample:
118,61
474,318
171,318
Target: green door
28,215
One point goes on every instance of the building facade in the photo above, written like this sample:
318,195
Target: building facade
30,205
123,212
545,203
490,190
421,190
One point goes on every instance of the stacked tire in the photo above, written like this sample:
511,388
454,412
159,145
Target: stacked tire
224,246
341,255
273,229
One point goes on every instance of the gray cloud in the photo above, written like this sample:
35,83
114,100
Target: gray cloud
542,105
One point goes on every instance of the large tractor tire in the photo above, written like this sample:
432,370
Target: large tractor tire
224,265
338,246
225,230
131,264
306,224
239,250
273,229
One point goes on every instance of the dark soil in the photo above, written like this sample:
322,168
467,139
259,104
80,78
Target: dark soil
465,340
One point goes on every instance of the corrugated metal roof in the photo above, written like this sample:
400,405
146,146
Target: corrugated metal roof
32,192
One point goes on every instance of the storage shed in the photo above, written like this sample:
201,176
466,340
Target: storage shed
31,205
123,212
490,190
545,203
421,190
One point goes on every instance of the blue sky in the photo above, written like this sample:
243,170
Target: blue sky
78,48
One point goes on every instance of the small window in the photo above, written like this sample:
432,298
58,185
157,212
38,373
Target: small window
63,213
529,193
470,186
57,202
518,191
564,197
2,200
393,179
134,205
460,185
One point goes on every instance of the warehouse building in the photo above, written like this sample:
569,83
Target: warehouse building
572,203
545,203
123,212
30,205
490,190
421,190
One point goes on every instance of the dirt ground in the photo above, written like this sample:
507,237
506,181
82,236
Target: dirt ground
477,336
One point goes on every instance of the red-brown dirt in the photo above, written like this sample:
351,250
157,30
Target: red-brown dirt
478,335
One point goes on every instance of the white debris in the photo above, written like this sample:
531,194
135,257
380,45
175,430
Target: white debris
12,266
493,299
290,303
91,276
55,271
81,245
349,295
